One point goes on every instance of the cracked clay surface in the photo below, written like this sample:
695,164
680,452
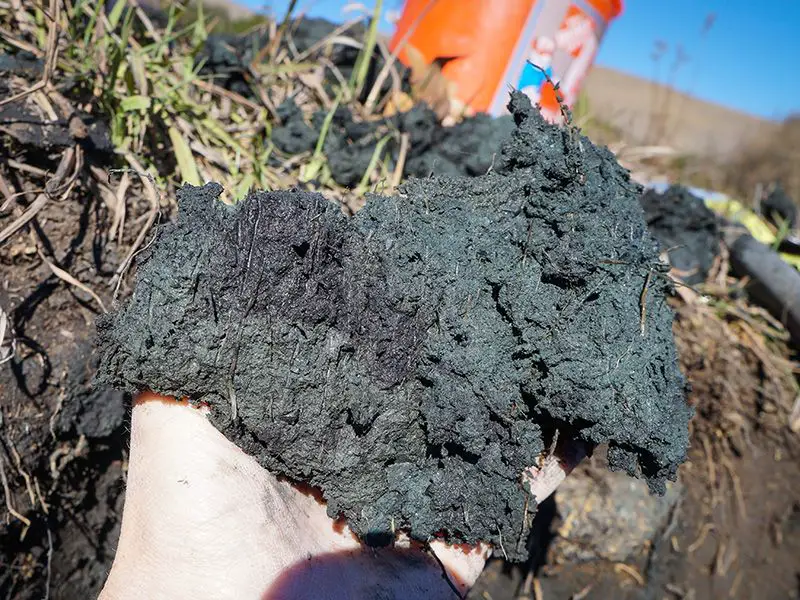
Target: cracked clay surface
411,361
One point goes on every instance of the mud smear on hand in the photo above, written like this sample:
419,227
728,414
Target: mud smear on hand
411,361
686,228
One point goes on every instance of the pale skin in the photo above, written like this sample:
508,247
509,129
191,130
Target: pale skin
202,519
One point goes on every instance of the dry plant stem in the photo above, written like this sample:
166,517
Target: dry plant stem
276,39
51,55
7,495
9,37
389,63
72,159
631,572
643,303
215,89
327,40
64,276
7,192
152,195
397,176
25,218
26,168
5,328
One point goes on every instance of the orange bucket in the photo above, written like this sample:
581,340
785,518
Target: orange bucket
486,46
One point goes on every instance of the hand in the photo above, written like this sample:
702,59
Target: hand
204,520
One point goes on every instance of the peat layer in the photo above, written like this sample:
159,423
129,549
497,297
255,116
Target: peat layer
412,360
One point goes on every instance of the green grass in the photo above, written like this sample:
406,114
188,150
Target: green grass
146,81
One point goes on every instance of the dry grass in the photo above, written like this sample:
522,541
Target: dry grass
773,157
690,141
177,123
692,127
738,360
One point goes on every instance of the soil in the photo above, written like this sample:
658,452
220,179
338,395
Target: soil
468,148
779,204
699,553
685,228
62,441
732,533
228,58
63,450
431,344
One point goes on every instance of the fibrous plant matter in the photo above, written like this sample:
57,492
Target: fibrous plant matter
685,228
412,360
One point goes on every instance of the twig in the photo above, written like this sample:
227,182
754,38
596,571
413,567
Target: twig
389,63
5,327
397,176
327,39
36,206
737,488
51,55
563,108
23,473
712,473
538,594
151,217
631,572
7,494
65,276
273,47
643,302
49,564
583,593
706,529
500,543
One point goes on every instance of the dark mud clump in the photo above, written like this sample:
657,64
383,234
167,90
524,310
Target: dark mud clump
685,228
227,58
468,148
779,206
412,360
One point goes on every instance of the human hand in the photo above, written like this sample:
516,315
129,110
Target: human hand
202,519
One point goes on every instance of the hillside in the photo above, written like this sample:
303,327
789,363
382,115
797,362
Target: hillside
635,107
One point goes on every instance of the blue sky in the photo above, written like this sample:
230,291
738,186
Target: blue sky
747,60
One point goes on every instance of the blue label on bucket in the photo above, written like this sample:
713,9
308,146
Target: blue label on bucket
538,67
558,43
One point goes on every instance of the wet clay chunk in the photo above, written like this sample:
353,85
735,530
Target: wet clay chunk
411,361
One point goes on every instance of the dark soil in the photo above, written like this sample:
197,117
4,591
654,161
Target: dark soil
779,204
227,58
685,228
69,437
467,148
715,542
62,441
429,345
